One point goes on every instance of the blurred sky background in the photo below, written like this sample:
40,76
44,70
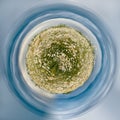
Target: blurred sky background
109,11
